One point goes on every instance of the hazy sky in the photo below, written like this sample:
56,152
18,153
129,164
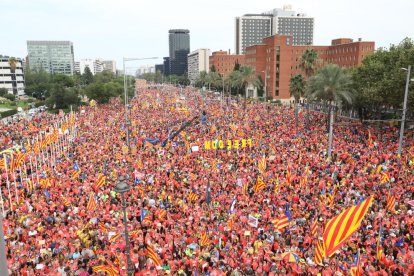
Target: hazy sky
112,29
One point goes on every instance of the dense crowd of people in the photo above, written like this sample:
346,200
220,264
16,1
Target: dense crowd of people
192,204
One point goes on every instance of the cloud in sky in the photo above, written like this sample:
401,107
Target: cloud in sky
111,29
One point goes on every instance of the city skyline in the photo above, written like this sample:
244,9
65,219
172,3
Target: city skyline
112,30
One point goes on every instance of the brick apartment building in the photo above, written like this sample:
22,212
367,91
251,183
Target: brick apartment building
224,62
277,60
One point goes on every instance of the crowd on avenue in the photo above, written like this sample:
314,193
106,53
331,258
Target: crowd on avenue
209,182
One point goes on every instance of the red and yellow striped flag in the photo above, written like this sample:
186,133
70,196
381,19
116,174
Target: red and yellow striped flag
261,165
152,255
114,238
204,239
277,185
391,203
259,185
314,227
162,214
65,201
92,204
192,196
289,176
385,177
245,188
99,182
319,252
110,270
102,227
341,227
76,174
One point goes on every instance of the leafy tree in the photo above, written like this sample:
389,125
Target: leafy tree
87,76
380,82
57,97
104,76
37,83
63,80
297,89
3,91
213,68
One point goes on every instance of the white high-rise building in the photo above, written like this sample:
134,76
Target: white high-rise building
11,75
96,66
198,61
250,29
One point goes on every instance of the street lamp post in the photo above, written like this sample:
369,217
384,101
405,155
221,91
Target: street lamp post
125,90
404,109
265,85
122,187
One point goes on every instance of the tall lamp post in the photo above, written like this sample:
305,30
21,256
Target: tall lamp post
404,108
122,187
125,59
3,259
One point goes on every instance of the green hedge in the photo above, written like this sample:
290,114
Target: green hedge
8,113
37,104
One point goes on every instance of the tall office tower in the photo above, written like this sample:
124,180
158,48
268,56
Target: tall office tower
179,44
55,57
250,29
198,61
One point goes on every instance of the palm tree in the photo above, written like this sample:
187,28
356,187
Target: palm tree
332,85
297,88
214,79
308,64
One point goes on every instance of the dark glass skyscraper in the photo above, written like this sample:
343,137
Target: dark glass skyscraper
179,42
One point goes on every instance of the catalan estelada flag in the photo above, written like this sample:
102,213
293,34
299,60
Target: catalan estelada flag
379,245
92,205
342,226
391,203
204,239
356,266
99,182
259,185
110,270
153,255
